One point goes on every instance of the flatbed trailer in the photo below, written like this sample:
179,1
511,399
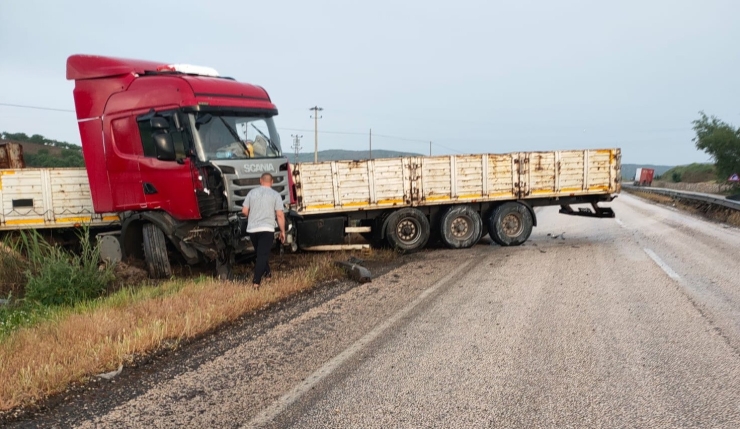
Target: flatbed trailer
402,202
42,198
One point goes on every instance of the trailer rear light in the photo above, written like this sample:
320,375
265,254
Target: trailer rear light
189,69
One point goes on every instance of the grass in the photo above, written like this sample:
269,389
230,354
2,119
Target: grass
40,272
692,173
70,343
13,267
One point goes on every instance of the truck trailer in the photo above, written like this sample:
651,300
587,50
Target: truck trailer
644,176
171,151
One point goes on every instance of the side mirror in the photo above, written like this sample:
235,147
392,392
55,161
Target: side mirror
159,123
164,146
203,119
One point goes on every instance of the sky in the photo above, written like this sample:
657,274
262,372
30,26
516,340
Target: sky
469,76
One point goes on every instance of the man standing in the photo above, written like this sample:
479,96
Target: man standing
261,207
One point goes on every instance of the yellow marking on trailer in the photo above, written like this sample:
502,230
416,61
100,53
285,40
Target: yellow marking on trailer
571,189
356,204
438,197
24,221
320,206
468,196
542,191
500,194
111,218
393,201
598,188
81,219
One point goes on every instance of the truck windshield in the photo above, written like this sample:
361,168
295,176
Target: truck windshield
227,136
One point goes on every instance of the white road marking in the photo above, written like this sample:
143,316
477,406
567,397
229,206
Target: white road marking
619,222
668,270
268,414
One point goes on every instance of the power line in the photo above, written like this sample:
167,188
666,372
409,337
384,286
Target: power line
349,133
316,109
36,107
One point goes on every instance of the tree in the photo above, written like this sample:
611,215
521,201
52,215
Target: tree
720,140
37,138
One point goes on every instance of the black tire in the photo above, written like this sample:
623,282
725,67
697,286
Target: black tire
510,224
461,227
155,252
407,230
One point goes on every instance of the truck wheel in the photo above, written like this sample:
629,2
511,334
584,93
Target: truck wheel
407,230
510,224
155,252
460,227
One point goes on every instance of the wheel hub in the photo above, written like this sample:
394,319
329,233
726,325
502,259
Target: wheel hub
460,227
407,230
512,224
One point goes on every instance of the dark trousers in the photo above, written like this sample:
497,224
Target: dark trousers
262,242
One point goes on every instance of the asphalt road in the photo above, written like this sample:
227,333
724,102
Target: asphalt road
627,322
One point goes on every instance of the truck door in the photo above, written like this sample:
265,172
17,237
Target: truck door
168,184
122,153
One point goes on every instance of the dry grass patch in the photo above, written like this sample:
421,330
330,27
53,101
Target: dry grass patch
76,342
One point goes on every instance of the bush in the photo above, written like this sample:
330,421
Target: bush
56,276
676,177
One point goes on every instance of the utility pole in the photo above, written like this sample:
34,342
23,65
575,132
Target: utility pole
371,143
296,146
316,117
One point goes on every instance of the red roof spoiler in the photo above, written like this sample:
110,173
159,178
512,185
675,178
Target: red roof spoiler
93,66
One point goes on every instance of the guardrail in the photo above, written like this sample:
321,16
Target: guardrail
687,195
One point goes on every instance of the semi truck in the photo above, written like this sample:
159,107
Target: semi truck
644,176
171,151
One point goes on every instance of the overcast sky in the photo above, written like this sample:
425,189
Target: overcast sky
471,76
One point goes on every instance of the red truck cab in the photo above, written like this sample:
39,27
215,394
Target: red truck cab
175,146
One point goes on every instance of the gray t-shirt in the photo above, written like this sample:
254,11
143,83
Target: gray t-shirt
262,202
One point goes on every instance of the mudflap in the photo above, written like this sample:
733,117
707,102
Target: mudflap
598,211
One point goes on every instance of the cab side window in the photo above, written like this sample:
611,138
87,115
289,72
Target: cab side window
145,130
180,138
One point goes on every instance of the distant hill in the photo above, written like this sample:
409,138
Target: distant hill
339,154
629,170
39,151
692,173
42,156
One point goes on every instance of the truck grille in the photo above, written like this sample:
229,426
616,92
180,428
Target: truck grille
237,189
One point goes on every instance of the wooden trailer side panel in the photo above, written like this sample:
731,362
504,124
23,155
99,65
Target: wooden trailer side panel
340,186
48,198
